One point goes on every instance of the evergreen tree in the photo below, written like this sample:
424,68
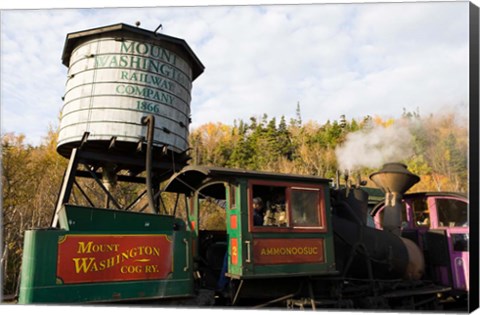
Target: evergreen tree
284,140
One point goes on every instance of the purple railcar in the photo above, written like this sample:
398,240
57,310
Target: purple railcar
438,223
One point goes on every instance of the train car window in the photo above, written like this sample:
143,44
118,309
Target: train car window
286,207
421,212
451,212
305,207
269,206
460,242
232,189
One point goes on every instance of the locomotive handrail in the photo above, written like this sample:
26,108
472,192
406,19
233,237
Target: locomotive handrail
187,255
248,260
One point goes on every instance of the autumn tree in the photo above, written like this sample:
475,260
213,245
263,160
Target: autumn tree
442,149
211,144
16,188
31,177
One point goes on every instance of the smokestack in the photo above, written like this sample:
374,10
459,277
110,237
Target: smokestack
394,179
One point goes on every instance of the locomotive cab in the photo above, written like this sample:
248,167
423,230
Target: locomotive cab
292,239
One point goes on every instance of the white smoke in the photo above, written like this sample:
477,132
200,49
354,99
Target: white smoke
374,146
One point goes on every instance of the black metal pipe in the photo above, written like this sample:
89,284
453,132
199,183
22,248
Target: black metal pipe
392,214
150,122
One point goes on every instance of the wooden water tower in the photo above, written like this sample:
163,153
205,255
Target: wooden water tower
126,111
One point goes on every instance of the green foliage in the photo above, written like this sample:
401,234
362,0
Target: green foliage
439,144
256,145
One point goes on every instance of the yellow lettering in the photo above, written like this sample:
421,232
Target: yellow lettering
133,252
82,248
94,267
83,264
266,251
91,247
151,269
131,269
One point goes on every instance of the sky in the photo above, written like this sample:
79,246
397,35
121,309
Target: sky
333,59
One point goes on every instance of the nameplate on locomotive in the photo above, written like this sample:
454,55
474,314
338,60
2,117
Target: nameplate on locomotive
288,251
103,258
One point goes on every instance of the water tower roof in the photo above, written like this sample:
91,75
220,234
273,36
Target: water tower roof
121,30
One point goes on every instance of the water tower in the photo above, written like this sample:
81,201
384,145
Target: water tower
126,111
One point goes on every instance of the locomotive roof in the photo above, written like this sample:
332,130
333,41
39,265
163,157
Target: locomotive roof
192,177
432,194
436,193
122,29
424,194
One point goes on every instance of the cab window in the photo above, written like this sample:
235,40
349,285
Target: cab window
421,212
232,200
286,207
305,207
451,212
269,206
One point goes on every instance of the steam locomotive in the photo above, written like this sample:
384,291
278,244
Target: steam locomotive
317,245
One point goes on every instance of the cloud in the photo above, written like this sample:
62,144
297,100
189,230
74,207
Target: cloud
352,59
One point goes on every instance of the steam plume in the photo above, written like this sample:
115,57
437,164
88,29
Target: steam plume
372,147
